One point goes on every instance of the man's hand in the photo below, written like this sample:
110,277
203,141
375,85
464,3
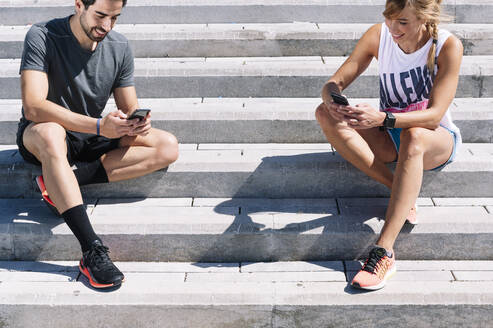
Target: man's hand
140,127
116,125
361,116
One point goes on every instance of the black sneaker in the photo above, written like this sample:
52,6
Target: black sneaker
96,265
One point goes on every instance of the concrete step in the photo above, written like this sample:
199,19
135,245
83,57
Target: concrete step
250,40
271,171
234,230
257,77
260,170
257,120
21,12
444,294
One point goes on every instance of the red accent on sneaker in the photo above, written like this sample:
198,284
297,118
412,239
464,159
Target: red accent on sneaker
42,188
44,193
87,273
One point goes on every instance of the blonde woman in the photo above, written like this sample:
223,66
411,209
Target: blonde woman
419,72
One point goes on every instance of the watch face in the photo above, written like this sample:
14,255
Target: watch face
389,120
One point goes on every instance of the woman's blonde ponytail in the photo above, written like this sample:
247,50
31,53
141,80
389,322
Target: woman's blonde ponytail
432,28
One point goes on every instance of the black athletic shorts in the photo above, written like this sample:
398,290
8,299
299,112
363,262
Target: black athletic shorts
81,147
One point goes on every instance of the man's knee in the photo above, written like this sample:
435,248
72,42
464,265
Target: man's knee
167,149
46,141
412,141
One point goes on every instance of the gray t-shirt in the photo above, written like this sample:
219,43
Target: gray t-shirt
79,80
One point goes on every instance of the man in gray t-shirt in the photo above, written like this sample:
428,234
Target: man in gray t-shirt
70,67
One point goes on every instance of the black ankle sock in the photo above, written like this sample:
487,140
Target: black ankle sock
78,221
93,172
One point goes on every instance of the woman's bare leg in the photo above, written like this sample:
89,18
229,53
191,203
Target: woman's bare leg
421,149
368,150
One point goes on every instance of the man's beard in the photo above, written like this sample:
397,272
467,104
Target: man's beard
88,30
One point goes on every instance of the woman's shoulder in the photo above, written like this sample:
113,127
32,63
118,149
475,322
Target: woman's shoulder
450,53
375,30
451,44
371,38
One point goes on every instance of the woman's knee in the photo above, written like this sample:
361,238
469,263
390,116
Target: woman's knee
332,128
322,114
412,141
324,119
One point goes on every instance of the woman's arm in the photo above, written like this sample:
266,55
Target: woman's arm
363,116
358,61
443,91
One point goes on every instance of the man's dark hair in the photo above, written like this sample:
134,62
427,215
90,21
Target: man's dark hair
88,3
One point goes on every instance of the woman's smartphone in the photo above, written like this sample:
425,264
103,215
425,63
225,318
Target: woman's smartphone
339,99
140,114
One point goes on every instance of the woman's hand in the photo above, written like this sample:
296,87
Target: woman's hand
361,116
333,110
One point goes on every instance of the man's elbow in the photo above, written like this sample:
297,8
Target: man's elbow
30,112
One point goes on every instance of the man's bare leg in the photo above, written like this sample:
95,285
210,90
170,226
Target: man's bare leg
140,155
136,157
46,141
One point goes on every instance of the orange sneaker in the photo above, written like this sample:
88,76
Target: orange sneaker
412,217
44,193
378,268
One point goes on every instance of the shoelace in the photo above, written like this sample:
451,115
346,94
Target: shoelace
99,255
373,261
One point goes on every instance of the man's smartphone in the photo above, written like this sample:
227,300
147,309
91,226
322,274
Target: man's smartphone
339,99
140,114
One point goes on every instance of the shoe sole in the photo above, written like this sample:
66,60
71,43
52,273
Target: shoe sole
388,275
87,274
48,202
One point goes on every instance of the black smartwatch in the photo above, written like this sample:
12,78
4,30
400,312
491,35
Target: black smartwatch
388,122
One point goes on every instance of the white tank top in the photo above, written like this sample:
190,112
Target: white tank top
405,82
